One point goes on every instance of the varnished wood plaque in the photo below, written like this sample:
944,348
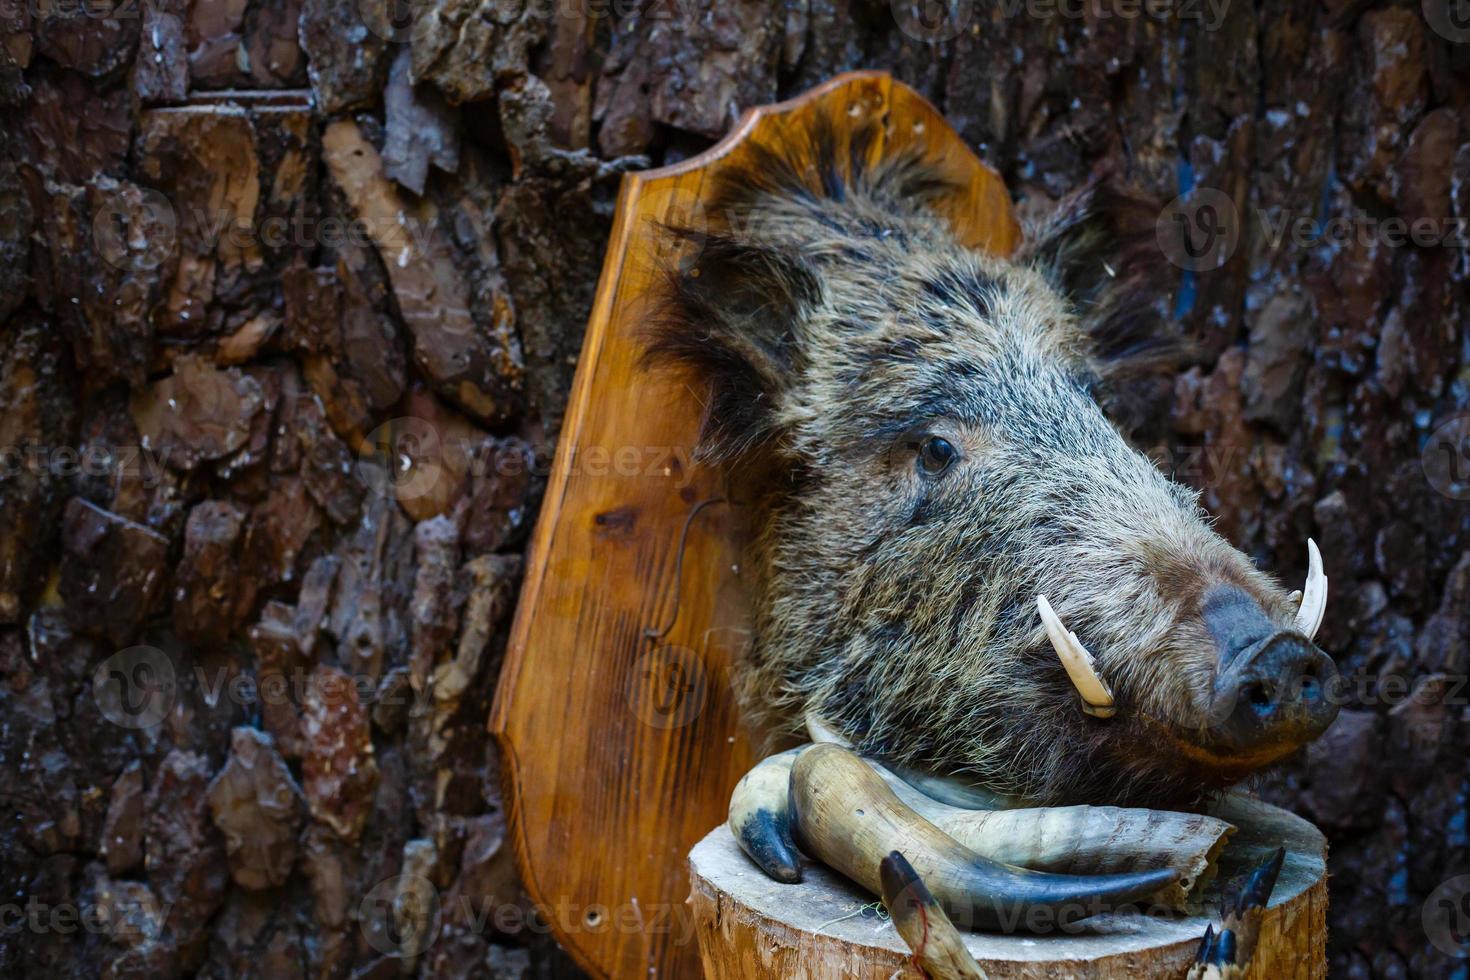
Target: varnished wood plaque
620,736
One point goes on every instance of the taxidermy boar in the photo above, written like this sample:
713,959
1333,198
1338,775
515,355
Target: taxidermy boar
967,574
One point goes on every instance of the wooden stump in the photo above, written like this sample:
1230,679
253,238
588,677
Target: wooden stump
752,927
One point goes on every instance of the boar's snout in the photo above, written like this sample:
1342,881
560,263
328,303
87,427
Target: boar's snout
1273,687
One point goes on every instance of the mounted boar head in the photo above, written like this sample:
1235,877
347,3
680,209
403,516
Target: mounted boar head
964,566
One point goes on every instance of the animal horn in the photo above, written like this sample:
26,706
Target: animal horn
1226,955
760,817
1314,596
1097,699
1084,839
844,814
938,947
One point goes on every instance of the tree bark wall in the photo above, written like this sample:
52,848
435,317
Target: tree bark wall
291,293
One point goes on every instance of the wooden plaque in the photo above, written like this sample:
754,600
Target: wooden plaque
620,736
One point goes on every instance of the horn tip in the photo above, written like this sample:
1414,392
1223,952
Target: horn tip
766,839
900,880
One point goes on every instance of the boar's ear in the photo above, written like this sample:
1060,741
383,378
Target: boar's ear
730,317
1098,248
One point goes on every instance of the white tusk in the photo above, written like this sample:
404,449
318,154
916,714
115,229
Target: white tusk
819,731
1097,700
1314,597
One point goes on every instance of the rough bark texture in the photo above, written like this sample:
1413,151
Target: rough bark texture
291,293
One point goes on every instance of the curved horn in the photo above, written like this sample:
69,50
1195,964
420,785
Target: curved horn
1084,839
760,817
1097,699
844,814
1226,955
937,944
1314,596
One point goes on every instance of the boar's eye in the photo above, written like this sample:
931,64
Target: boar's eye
936,454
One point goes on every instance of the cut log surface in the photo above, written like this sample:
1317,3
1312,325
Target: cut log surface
749,926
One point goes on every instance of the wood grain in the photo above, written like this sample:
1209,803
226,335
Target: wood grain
753,928
621,748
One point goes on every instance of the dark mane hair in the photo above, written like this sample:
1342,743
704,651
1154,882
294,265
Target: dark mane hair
725,313
728,312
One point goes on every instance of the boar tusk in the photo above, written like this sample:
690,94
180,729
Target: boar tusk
1314,597
844,814
952,791
1097,699
938,947
819,731
760,817
1084,839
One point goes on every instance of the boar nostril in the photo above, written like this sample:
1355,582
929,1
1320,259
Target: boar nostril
1272,694
1257,695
